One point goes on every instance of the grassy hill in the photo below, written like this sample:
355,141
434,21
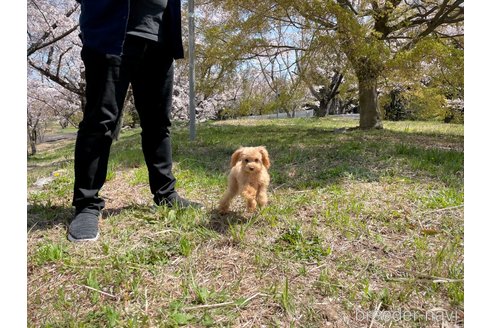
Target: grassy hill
358,223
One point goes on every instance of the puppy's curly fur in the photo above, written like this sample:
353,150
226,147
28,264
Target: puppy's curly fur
248,177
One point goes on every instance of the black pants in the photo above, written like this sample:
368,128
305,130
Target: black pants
148,66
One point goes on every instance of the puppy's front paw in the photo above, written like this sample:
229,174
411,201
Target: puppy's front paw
251,205
262,199
223,208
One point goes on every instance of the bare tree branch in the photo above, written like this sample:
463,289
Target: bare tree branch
55,78
42,43
38,45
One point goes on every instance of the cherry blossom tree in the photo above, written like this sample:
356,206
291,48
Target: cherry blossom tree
56,73
55,86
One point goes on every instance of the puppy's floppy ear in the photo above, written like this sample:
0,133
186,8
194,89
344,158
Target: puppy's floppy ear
264,156
235,156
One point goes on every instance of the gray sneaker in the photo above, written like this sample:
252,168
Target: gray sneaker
84,226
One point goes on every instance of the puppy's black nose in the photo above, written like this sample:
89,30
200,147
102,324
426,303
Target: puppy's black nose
251,169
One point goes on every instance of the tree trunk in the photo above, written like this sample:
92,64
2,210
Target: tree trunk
33,148
326,96
32,136
322,110
370,117
334,106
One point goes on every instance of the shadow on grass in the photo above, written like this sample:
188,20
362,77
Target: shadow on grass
221,222
109,212
45,217
58,151
305,157
41,217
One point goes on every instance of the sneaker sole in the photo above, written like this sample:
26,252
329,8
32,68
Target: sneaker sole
75,240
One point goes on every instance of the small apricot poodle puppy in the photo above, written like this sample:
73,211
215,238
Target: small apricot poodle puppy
248,177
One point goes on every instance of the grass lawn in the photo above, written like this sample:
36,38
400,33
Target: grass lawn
359,222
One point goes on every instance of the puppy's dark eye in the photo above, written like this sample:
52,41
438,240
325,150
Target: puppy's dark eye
257,160
246,160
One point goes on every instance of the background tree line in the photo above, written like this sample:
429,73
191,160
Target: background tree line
384,59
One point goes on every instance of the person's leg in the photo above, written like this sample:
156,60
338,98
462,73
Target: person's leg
105,94
152,82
